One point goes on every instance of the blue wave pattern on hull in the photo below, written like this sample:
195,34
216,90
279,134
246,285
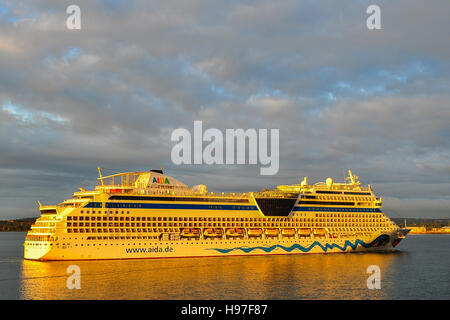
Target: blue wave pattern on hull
381,240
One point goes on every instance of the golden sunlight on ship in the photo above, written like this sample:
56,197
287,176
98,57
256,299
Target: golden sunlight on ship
152,215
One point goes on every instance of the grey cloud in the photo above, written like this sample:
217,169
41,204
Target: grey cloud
341,95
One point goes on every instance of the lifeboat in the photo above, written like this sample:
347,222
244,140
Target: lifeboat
320,232
254,232
235,232
288,232
272,232
304,232
213,232
190,233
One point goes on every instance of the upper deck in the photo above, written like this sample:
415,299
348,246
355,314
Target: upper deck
144,184
154,185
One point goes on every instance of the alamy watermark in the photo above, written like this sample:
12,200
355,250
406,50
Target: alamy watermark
373,22
74,280
189,150
374,280
73,21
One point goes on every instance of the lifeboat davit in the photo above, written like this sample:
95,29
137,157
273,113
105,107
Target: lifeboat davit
272,232
254,232
235,232
213,232
190,233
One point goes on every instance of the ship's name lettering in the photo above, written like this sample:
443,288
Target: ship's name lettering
160,180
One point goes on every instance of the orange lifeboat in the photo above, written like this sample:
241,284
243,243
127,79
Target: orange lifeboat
320,232
254,232
272,232
288,232
190,233
304,232
235,232
213,232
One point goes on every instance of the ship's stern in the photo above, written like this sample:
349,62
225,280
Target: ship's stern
36,250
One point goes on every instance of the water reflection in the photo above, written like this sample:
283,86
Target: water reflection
327,276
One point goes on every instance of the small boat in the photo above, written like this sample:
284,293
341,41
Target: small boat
272,232
190,233
288,232
235,232
320,232
304,232
213,232
254,232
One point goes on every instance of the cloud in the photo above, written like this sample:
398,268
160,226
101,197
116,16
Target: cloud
111,93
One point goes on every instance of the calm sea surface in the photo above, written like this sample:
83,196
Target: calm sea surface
420,269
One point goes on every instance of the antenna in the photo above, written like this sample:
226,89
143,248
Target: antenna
100,176
351,176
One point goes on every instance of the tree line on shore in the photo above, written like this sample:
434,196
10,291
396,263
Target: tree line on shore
17,225
422,222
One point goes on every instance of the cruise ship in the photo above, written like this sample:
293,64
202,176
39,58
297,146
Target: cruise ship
137,215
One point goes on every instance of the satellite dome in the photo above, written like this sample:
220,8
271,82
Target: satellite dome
329,182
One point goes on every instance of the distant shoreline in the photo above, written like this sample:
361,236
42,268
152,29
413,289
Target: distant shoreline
431,232
17,225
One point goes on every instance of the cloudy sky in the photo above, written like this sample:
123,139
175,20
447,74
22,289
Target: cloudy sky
110,94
